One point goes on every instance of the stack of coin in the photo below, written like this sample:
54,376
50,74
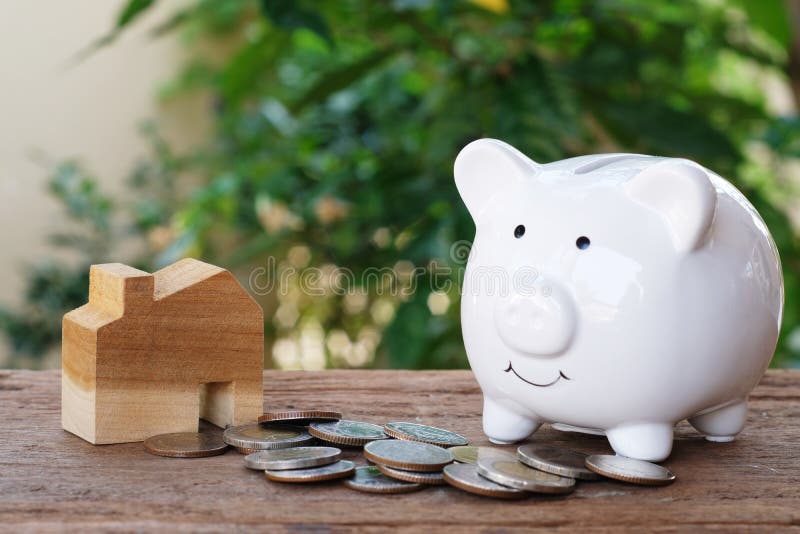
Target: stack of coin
293,458
348,433
251,438
298,417
465,477
498,473
369,479
539,468
409,461
630,470
425,434
513,474
339,469
300,464
556,461
430,479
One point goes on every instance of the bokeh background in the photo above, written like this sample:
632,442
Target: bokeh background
299,136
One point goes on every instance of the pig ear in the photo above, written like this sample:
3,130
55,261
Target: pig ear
681,192
485,167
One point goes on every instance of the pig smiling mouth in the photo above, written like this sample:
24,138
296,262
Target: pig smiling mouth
559,377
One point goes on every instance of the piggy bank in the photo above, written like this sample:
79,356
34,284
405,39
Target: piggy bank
615,294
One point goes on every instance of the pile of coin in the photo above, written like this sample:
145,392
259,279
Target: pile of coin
405,456
540,468
256,437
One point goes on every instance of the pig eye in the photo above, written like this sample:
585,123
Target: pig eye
583,242
519,231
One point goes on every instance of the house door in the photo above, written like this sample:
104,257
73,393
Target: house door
216,403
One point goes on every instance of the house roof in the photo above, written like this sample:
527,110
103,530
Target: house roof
168,281
182,274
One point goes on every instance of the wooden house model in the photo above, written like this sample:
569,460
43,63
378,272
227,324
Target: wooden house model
154,353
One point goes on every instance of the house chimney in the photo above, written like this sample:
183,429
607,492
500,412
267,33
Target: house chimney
116,289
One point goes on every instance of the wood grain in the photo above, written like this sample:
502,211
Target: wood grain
52,480
151,353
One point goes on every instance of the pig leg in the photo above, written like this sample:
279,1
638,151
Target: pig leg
504,426
643,441
723,423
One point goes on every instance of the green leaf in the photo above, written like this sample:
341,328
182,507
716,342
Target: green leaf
339,79
652,127
129,13
175,20
771,16
251,64
291,15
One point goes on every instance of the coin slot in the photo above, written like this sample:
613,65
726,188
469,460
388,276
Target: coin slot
603,161
216,403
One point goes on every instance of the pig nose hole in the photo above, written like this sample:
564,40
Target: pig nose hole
583,242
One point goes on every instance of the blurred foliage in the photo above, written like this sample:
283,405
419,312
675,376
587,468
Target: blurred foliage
335,126
93,226
53,287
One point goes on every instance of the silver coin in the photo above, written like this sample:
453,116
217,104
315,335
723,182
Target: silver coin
513,474
563,462
465,477
630,470
408,455
346,432
424,433
370,480
255,436
429,479
294,458
340,469
298,417
469,454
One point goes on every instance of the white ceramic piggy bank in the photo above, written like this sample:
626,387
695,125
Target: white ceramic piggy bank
616,294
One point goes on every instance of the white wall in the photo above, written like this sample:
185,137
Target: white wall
90,111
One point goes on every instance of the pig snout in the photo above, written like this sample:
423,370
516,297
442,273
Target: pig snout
540,321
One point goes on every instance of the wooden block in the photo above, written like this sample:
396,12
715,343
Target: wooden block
153,353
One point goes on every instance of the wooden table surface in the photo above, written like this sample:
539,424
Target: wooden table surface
53,480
